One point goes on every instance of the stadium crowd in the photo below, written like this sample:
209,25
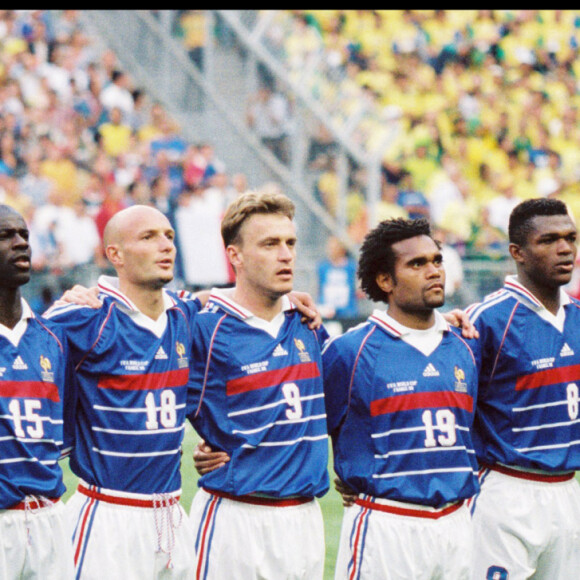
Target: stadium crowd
485,101
445,435
80,141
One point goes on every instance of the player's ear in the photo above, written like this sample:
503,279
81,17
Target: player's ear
385,282
515,251
113,254
234,256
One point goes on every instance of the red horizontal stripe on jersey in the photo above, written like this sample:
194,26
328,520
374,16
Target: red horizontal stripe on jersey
145,382
29,390
421,401
271,378
548,377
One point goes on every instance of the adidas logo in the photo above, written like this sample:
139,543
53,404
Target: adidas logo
280,351
430,371
161,355
566,350
19,364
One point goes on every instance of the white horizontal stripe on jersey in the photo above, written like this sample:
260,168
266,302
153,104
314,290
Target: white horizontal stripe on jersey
278,423
410,430
424,450
286,443
46,419
29,460
30,440
539,406
271,405
140,432
423,472
130,409
547,447
151,454
545,426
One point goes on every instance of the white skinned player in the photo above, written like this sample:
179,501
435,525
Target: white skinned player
527,431
256,394
400,395
34,537
131,359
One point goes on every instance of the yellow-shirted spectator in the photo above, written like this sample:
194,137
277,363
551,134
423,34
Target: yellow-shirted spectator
421,165
193,28
115,135
63,172
459,217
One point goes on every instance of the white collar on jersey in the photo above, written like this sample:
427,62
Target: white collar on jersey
109,285
15,334
223,298
528,299
425,341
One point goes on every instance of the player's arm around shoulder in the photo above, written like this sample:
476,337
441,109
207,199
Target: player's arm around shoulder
338,360
81,324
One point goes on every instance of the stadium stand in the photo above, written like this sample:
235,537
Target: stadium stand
486,102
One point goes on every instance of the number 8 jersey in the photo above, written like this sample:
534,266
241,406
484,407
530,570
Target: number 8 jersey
529,381
400,417
256,392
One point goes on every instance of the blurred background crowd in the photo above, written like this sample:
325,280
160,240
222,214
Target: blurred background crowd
484,103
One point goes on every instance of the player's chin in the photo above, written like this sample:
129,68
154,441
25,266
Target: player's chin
435,300
162,281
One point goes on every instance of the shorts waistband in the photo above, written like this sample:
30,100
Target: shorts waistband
35,503
403,509
263,501
530,475
156,501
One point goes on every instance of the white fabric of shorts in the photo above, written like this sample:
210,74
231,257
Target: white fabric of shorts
35,543
526,529
120,542
375,545
240,541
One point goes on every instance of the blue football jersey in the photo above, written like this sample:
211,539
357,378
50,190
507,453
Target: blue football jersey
529,380
132,375
400,419
260,398
33,377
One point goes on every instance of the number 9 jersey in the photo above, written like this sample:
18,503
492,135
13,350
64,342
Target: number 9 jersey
256,393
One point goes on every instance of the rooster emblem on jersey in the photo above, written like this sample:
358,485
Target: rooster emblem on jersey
182,362
302,352
46,367
460,384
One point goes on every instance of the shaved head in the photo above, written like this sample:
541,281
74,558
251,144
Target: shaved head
125,222
139,243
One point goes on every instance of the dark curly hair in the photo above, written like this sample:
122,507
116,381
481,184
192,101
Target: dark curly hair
377,255
520,224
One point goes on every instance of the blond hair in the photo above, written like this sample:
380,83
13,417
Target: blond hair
250,203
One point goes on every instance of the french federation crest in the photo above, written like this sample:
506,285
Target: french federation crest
46,367
302,352
460,384
182,361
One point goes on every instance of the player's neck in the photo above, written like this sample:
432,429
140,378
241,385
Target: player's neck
10,307
261,305
149,301
549,296
417,320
